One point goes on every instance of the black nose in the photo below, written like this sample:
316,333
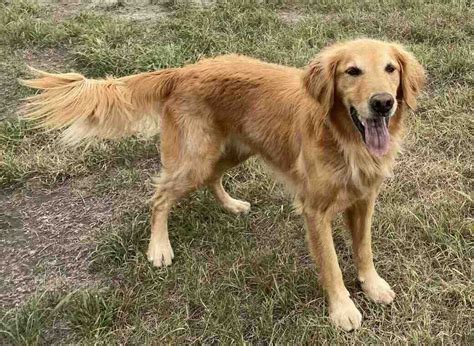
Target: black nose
381,103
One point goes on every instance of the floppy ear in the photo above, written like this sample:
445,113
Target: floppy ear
319,78
412,76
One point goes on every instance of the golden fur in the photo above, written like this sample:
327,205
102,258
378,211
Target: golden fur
218,112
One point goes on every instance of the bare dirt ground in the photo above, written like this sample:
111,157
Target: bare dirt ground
45,241
47,234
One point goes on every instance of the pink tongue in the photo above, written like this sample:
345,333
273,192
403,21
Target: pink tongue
377,137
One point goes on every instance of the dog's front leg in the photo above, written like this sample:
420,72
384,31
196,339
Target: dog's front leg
342,310
359,221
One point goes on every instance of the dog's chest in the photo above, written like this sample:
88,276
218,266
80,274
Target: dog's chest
353,185
345,197
348,194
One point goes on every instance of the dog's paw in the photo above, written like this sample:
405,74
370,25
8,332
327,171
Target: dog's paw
344,314
160,253
236,206
377,289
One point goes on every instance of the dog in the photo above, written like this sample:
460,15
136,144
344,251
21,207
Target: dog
331,131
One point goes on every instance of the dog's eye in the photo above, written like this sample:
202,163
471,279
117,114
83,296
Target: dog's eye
354,71
389,68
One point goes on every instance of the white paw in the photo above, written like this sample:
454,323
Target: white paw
377,289
236,206
160,253
344,314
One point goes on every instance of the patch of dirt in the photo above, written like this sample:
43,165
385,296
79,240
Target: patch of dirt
290,16
46,240
49,59
141,13
47,234
61,9
141,10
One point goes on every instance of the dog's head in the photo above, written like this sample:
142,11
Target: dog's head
370,78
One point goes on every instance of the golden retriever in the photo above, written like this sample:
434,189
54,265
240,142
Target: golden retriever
331,131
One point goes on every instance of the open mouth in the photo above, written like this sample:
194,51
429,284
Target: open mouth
374,132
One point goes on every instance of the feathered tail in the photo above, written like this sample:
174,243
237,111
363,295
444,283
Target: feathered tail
87,108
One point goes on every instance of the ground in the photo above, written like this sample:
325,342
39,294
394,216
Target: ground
74,222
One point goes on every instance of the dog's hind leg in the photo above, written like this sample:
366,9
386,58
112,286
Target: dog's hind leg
230,204
189,159
232,156
160,251
169,189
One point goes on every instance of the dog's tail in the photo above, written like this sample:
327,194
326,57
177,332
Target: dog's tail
88,108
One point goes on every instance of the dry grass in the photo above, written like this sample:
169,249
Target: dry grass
245,279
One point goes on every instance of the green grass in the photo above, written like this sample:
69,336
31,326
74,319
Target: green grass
250,278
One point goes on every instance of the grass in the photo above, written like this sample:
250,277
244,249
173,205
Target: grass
247,279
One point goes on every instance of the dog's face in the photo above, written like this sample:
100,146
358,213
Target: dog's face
370,78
